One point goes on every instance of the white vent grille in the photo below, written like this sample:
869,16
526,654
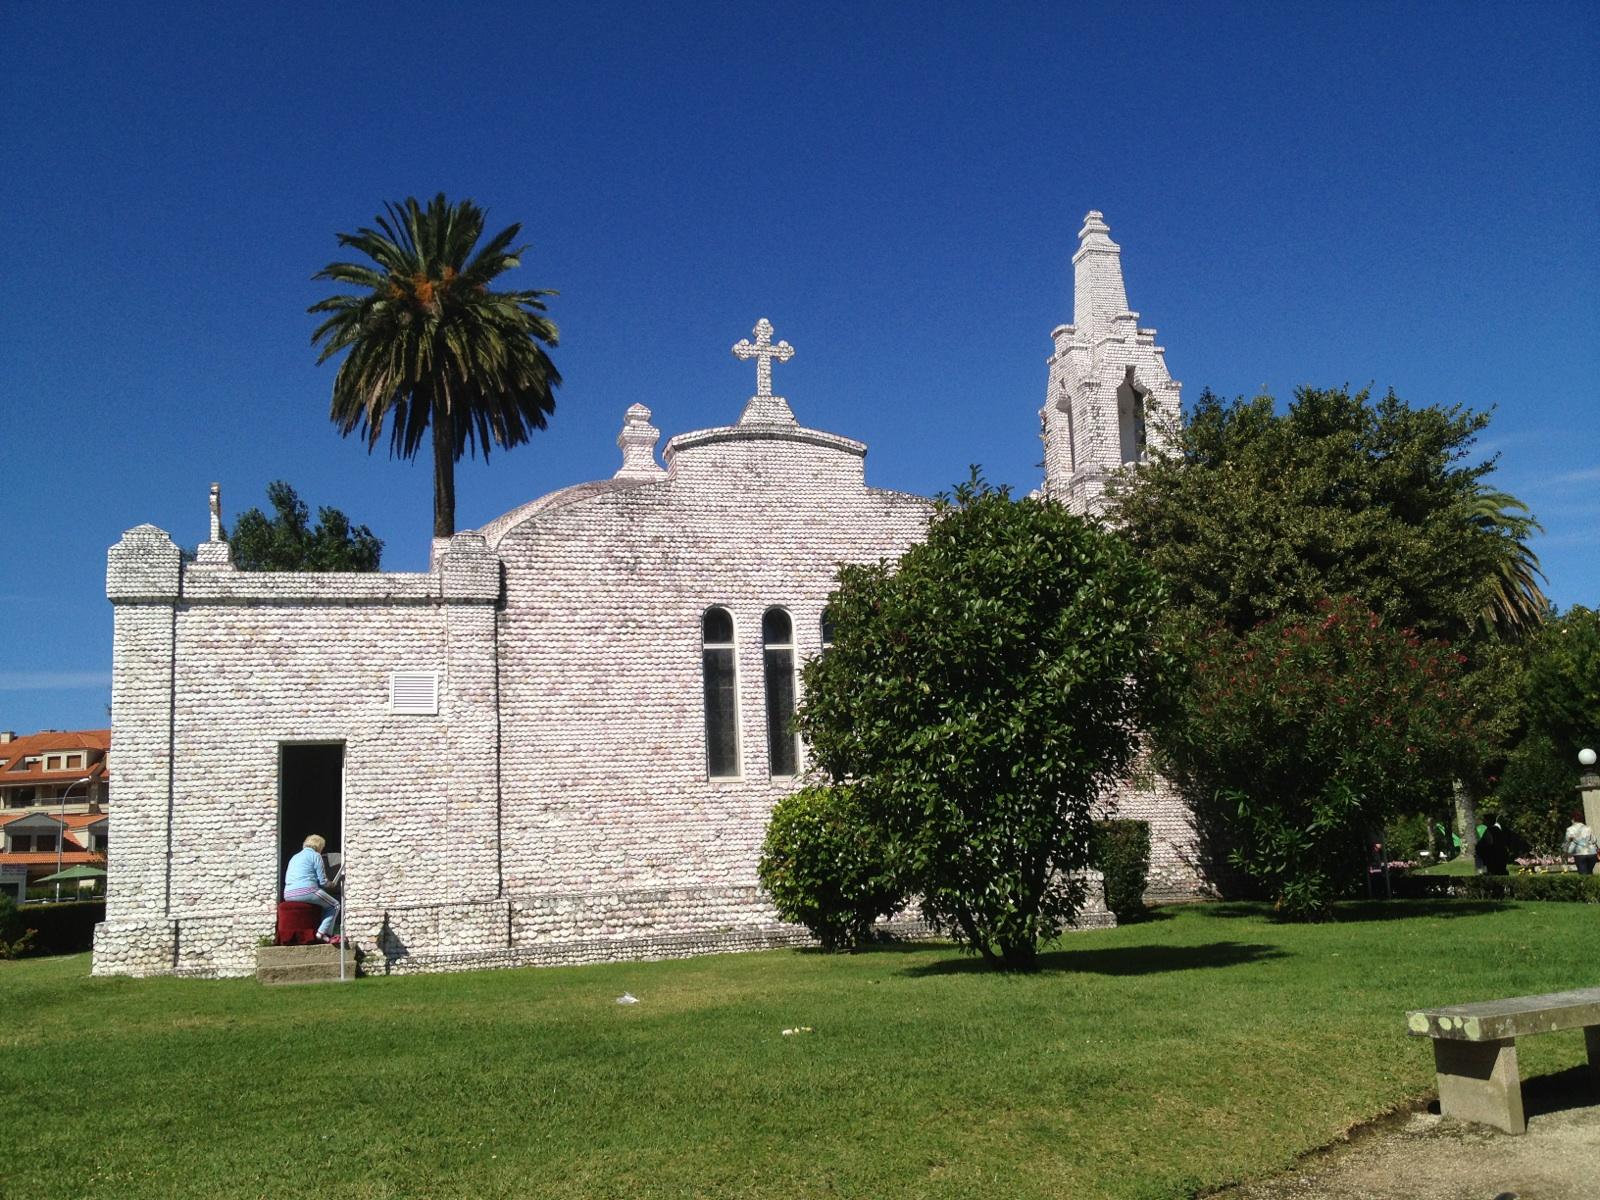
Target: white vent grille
414,693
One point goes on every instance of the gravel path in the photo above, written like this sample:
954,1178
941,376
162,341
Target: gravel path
1421,1156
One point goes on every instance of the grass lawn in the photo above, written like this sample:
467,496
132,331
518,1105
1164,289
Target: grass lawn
1205,1046
1450,866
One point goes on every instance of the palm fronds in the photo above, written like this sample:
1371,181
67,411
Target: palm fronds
429,346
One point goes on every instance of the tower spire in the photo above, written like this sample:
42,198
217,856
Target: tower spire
1098,294
1109,400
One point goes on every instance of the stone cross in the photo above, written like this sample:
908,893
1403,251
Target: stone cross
763,351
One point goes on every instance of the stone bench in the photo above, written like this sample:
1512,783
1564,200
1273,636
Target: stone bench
1475,1049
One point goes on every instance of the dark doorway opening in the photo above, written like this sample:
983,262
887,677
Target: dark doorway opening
310,799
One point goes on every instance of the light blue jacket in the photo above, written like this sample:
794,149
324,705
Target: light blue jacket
305,872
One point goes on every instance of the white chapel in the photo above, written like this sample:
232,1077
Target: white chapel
560,743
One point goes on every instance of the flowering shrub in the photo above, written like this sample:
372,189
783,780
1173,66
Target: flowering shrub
1572,888
1307,732
1541,863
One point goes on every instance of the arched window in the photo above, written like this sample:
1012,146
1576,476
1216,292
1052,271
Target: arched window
1072,438
718,662
777,652
1130,419
827,630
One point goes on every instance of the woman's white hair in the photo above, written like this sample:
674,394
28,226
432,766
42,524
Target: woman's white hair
316,842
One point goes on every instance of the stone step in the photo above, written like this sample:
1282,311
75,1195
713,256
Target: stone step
304,964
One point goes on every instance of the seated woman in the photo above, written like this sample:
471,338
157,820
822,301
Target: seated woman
305,881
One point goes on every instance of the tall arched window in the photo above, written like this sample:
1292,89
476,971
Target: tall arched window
718,662
1072,437
1130,419
777,651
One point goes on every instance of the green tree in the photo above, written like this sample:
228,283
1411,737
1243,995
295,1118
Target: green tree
286,541
1316,731
1563,683
978,697
431,347
1261,514
1559,692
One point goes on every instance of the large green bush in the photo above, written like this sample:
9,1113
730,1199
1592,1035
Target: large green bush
979,696
825,867
1305,735
1122,852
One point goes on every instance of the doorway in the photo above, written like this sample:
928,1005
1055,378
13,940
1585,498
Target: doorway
310,799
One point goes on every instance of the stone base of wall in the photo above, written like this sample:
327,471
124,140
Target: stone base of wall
528,931
135,947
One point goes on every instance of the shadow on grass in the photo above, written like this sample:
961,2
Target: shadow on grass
1560,1091
1148,917
1122,960
1362,910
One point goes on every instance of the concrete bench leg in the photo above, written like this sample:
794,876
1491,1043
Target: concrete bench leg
1478,1081
1591,1043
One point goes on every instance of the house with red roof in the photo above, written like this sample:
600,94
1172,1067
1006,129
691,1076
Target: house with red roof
53,793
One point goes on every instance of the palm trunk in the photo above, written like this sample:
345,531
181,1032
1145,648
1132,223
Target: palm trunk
1467,818
444,474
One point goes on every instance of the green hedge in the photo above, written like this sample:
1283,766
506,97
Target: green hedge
1577,889
1121,849
14,938
62,928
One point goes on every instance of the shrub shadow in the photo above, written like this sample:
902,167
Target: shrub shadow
1361,910
1399,910
1147,917
1120,960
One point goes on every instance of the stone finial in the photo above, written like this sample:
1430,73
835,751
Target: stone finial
1095,229
214,552
764,408
638,442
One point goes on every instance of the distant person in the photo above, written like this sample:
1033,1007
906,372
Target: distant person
1492,847
305,881
1581,845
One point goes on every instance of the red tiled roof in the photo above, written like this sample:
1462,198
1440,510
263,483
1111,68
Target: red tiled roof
52,741
57,739
36,858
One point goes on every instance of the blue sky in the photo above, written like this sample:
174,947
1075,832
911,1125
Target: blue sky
1364,193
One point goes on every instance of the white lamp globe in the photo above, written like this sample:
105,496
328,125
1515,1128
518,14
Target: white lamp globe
1586,757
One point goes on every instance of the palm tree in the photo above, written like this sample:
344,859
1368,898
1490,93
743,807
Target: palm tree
1514,603
431,346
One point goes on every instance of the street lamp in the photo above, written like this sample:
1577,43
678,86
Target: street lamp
61,834
1589,787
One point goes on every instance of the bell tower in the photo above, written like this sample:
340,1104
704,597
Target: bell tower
1110,401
